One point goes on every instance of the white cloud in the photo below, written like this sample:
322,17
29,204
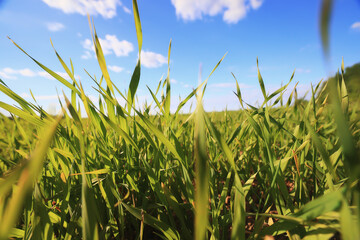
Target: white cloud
9,70
173,81
10,73
45,75
111,44
27,72
116,69
62,74
87,44
255,4
127,10
232,10
152,60
235,12
6,76
356,26
55,26
86,55
105,8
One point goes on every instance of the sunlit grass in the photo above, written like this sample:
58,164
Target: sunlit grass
284,168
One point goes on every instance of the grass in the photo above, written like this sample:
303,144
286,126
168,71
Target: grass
286,168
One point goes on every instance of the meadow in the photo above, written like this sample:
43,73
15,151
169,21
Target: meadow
288,168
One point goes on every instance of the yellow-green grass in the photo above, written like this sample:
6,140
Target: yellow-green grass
284,168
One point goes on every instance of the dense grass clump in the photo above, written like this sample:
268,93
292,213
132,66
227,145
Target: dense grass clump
286,168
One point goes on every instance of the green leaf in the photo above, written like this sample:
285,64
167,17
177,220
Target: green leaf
34,119
100,57
327,203
140,214
261,81
42,224
324,154
70,73
168,93
26,180
238,226
349,223
182,103
121,132
238,92
135,78
137,24
23,103
154,130
16,233
52,73
201,174
326,10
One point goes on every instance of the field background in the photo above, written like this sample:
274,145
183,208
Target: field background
286,168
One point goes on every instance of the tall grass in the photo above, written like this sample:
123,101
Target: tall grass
284,168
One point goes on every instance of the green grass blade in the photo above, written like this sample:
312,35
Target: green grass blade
326,10
238,225
134,83
238,92
324,154
261,81
168,93
348,222
70,73
137,24
22,102
201,177
154,130
26,180
52,73
327,203
100,57
349,148
122,133
167,230
34,119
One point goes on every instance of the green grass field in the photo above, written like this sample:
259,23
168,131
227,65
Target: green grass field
288,168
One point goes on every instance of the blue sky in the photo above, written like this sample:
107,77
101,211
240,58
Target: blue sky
283,34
